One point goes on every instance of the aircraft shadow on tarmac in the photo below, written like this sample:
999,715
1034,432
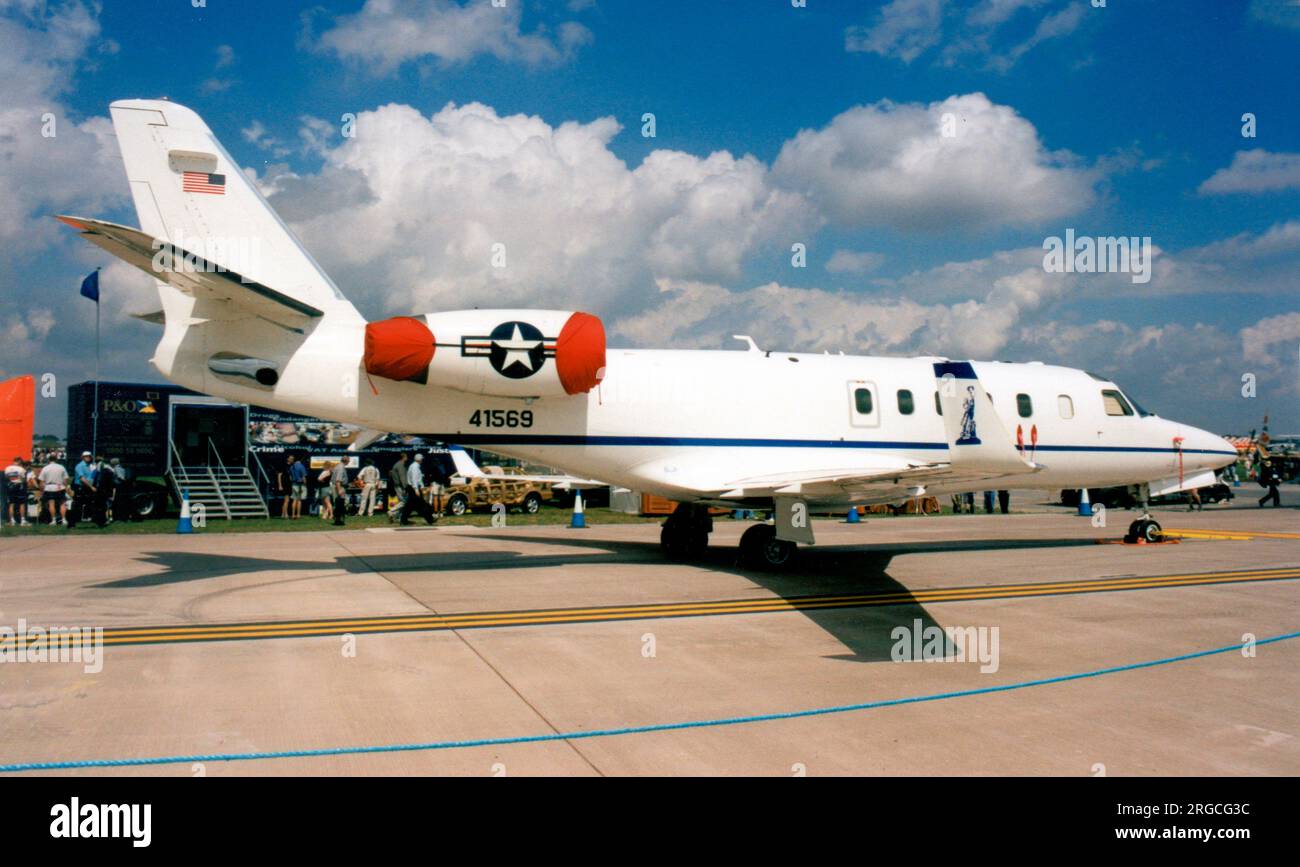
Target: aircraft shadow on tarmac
828,569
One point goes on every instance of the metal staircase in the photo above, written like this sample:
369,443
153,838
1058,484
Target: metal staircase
225,492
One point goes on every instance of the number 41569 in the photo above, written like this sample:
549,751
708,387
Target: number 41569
502,418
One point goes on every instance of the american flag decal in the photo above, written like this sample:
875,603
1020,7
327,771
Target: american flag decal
202,182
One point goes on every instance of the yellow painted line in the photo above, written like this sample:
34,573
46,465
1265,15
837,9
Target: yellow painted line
304,629
1197,532
670,607
425,621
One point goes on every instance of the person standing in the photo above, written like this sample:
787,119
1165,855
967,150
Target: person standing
324,499
53,479
123,492
16,492
397,484
283,487
1004,502
988,502
369,477
414,494
297,486
83,488
1269,478
339,491
105,487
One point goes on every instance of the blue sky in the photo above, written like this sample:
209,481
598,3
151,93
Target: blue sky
1110,121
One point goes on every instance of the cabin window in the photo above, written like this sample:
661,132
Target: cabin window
862,400
1024,405
905,403
1066,405
938,407
1115,403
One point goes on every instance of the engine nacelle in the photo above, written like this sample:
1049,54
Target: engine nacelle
507,353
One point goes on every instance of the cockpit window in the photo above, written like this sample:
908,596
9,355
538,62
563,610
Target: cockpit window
1115,403
1140,410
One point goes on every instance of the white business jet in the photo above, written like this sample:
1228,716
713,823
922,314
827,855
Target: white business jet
249,316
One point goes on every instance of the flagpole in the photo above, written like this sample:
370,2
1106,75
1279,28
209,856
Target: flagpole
94,433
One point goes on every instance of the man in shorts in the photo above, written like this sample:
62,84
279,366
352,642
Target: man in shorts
53,479
297,486
16,492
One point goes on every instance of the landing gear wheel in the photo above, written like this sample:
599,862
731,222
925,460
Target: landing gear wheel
760,548
1145,529
683,543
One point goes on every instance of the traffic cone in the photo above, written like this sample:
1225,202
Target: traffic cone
1085,505
853,517
185,524
579,520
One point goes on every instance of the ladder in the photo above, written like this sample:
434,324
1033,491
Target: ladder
225,492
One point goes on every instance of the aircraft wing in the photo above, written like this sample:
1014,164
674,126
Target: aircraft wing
866,486
979,449
465,466
194,275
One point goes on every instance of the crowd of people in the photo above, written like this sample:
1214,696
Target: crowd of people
326,491
97,490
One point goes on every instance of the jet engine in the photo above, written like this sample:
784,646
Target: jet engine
505,353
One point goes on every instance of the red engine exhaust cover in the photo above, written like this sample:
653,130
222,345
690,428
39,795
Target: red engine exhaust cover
580,353
400,348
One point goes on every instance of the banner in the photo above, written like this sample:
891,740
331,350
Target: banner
17,416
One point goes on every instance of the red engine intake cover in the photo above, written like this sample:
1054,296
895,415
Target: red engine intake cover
580,353
400,348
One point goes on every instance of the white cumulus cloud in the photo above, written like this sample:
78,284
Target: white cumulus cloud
1255,171
407,213
384,34
891,164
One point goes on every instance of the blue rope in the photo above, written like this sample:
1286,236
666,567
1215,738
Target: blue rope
630,730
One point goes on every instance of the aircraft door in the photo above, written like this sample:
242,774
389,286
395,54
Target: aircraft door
203,432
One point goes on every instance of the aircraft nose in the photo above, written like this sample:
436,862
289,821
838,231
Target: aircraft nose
1207,451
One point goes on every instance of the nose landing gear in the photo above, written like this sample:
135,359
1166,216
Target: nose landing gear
1144,530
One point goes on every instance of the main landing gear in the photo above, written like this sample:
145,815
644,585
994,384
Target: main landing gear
685,535
761,549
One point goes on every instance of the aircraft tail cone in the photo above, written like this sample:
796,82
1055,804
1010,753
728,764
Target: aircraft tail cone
1085,505
579,520
186,523
853,517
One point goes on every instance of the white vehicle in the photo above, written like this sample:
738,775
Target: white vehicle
787,431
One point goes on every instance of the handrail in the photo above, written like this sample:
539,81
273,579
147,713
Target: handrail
261,470
177,470
225,474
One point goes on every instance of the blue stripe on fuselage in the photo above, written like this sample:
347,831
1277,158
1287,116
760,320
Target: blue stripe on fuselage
733,442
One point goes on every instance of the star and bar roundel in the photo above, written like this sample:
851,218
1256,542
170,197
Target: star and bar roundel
514,349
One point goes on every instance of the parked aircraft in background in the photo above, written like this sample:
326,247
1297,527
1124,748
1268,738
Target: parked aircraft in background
792,432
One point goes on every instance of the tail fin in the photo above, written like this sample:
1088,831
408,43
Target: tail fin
189,192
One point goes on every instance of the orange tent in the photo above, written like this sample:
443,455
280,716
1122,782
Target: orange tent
17,415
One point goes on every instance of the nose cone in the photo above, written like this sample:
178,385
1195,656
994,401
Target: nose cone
1206,451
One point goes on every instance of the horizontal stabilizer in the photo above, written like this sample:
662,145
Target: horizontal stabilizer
192,274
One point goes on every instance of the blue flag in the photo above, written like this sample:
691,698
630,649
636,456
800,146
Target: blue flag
90,286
